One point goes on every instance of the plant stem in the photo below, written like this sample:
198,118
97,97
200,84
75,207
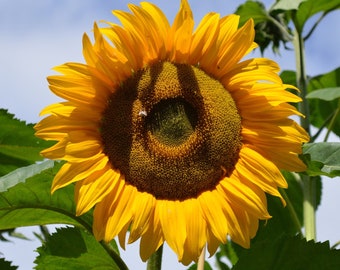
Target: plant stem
332,123
155,261
291,210
301,80
324,124
113,254
315,25
309,186
44,231
283,30
201,260
309,205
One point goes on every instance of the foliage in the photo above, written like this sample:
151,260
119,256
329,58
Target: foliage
325,104
31,203
18,145
5,265
289,252
72,248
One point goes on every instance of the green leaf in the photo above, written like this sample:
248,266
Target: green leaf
310,7
252,10
287,4
295,197
287,252
288,77
221,265
5,265
14,233
228,252
270,27
327,94
320,110
20,175
283,220
206,266
322,158
31,203
18,145
72,248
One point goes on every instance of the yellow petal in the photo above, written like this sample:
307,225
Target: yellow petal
196,231
154,32
212,242
289,161
160,22
82,150
94,188
143,208
152,239
122,235
204,37
123,40
56,128
136,32
257,110
239,222
232,52
211,204
121,212
252,200
227,27
56,151
260,171
179,40
73,172
173,221
260,136
113,213
245,74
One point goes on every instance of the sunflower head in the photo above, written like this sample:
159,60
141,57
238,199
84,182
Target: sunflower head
170,126
168,133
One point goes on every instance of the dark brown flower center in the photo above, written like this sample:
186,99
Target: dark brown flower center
172,131
172,121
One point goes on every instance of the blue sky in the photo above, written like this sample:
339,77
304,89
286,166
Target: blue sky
38,35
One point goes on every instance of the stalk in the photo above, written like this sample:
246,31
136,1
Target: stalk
309,186
332,123
201,260
116,258
44,231
155,261
291,210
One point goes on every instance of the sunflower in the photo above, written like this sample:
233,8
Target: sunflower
169,134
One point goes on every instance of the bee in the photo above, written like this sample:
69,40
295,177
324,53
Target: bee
142,113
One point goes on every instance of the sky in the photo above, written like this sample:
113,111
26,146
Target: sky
38,35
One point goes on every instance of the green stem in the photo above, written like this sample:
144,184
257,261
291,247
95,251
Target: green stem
309,205
155,261
291,210
335,245
315,25
332,123
44,231
309,186
301,80
113,254
283,30
324,124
